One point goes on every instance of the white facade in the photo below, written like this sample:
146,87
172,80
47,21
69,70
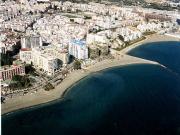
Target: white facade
129,33
47,59
78,49
48,64
2,48
149,27
91,38
25,55
31,41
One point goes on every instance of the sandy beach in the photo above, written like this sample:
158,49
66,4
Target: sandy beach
46,96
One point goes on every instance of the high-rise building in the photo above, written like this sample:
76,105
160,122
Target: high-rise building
78,49
31,41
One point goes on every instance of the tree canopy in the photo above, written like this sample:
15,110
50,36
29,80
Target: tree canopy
6,59
77,64
20,81
29,69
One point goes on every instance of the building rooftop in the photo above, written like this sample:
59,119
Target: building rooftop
6,67
78,42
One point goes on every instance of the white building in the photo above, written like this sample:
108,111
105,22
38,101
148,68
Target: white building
149,26
31,41
2,48
48,59
129,33
100,38
44,62
78,49
25,55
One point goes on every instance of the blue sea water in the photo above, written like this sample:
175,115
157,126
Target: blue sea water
139,99
166,53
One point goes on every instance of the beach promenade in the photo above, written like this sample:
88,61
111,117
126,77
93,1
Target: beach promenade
46,96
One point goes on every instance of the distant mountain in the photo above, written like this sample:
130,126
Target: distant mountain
162,1
155,1
122,2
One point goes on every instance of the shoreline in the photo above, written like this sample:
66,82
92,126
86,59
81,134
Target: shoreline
43,97
149,38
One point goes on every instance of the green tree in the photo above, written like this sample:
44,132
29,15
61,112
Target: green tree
21,81
6,59
77,64
121,38
17,78
29,69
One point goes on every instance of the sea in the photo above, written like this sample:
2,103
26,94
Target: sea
137,99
